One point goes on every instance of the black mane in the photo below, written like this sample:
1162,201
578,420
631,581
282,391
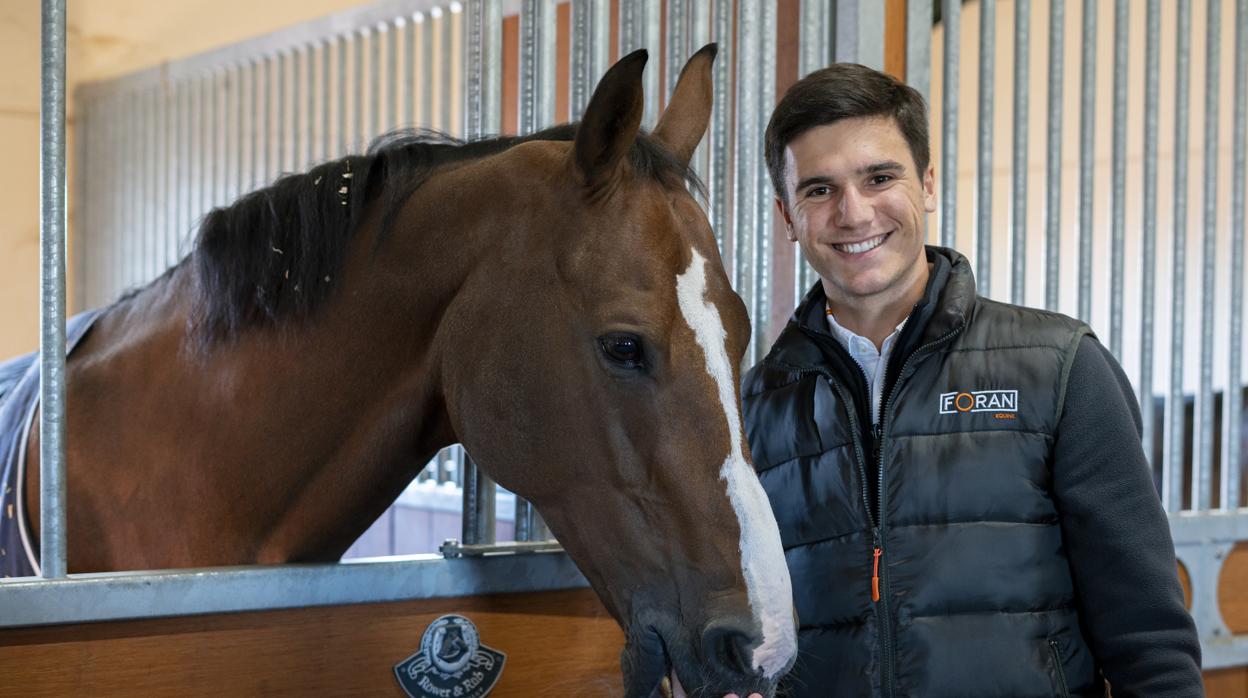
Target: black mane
274,253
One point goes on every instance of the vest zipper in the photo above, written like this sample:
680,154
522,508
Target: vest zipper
1057,666
881,431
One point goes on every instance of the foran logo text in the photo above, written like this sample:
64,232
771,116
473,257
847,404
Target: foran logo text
1000,401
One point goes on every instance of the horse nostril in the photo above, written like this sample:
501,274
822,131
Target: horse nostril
727,650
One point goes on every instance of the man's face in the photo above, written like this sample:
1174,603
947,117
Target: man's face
857,207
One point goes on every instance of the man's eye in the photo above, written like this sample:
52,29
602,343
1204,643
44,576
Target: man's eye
622,349
881,179
818,191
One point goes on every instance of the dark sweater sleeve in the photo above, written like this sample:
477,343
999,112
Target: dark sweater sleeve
1118,537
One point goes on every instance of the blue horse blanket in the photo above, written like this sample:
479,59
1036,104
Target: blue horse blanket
19,397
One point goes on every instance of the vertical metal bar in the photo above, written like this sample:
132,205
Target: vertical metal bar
1053,161
266,122
184,161
298,130
589,48
311,128
341,101
483,65
81,205
815,52
147,180
858,28
358,140
1231,471
718,181
479,505
675,44
983,170
1204,398
448,92
283,129
536,55
52,548
652,39
1022,93
1176,448
952,18
164,166
257,122
409,70
394,32
1118,217
375,37
1148,245
1087,157
427,71
240,130
919,46
745,227
327,124
763,206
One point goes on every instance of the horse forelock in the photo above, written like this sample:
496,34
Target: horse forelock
275,254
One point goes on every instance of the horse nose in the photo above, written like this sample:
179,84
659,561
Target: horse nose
727,649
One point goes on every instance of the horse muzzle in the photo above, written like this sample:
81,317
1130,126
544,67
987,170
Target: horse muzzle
719,662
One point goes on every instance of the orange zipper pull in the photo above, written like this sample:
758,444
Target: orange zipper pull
875,575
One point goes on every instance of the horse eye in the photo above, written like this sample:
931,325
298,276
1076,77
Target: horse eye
622,349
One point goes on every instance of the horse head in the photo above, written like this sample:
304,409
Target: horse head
607,393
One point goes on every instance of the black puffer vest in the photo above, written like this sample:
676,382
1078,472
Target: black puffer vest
953,487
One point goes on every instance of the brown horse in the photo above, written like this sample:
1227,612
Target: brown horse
554,302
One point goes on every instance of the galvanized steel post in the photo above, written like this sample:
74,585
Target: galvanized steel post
1148,244
951,17
1087,157
983,170
1203,458
1022,93
1232,471
1053,160
52,538
1172,487
1118,216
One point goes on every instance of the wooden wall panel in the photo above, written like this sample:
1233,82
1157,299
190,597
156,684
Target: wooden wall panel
557,643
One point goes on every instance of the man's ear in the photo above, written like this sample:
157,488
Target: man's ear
929,189
788,221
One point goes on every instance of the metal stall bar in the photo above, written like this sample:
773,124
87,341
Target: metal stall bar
298,130
1172,487
448,73
983,171
537,65
1053,161
1087,156
1118,216
241,125
815,52
52,549
763,206
1203,457
589,51
746,228
1022,110
858,27
411,25
80,205
310,107
951,17
282,132
919,46
537,108
1231,471
394,32
483,69
375,37
1148,245
717,175
676,45
358,137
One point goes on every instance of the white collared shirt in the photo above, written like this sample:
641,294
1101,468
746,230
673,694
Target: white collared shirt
874,364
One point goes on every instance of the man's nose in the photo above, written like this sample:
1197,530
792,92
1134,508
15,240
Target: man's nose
853,210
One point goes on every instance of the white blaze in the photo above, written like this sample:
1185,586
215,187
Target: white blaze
762,557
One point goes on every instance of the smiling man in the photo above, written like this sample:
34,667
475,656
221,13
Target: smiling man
963,499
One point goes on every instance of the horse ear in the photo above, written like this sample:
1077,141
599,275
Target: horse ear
685,119
611,120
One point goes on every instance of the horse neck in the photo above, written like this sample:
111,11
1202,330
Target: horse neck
293,437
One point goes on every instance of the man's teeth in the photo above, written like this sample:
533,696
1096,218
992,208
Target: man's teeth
864,246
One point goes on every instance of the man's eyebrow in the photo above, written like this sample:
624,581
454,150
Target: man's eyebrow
886,166
873,168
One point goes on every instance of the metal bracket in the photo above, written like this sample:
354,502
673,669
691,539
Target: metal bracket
452,548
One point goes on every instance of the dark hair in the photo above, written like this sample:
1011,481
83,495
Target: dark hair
276,253
845,91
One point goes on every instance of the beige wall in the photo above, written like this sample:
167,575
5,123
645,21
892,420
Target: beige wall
106,38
